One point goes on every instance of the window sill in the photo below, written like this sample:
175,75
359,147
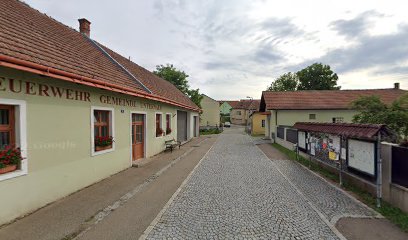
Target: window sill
9,175
97,153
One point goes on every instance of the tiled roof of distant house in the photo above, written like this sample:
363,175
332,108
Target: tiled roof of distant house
32,41
233,104
323,99
247,104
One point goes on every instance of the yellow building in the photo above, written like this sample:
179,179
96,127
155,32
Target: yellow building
333,106
78,111
210,116
258,123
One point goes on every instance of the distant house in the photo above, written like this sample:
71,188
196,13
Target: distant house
226,107
210,112
257,123
242,110
284,109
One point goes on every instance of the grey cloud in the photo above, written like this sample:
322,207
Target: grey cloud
384,51
267,55
393,70
357,26
214,65
281,27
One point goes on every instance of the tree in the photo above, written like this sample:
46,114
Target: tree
373,111
285,82
179,79
195,96
317,77
176,77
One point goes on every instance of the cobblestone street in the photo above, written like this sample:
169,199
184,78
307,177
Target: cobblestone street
238,193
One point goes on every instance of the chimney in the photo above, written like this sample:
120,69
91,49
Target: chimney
396,85
85,27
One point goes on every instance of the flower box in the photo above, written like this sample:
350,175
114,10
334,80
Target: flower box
159,132
8,168
101,148
103,143
10,158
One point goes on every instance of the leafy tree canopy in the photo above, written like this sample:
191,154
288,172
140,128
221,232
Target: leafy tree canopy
179,79
317,77
373,110
286,82
176,77
314,77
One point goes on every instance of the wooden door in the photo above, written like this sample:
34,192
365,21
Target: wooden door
138,136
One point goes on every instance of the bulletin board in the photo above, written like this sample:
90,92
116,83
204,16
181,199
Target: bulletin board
361,156
302,140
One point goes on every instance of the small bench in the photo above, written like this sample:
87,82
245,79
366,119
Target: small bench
171,144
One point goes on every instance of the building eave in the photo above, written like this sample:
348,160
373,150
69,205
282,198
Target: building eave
35,68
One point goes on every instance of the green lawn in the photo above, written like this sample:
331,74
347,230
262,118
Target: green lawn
394,214
210,131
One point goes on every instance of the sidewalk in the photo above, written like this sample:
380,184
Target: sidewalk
349,221
67,217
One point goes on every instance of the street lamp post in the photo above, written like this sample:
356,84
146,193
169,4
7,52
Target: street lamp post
249,114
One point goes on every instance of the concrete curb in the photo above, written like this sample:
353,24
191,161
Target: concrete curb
321,215
99,216
173,197
378,215
336,218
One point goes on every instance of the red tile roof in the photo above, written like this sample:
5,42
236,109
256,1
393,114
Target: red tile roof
323,99
154,83
233,104
30,36
350,130
246,104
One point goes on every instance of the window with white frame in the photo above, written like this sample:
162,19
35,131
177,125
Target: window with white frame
13,140
338,119
312,116
168,123
159,129
102,130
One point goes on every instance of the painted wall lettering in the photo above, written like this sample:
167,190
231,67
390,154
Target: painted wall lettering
12,87
150,106
30,88
44,90
117,101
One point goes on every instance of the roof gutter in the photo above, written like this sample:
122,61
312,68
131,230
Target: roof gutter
27,66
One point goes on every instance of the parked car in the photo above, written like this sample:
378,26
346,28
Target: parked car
227,124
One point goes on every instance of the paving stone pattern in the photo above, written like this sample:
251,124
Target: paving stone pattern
330,201
238,193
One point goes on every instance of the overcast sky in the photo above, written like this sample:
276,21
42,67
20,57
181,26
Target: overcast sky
235,48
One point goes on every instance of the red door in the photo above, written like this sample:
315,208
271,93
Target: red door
138,137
